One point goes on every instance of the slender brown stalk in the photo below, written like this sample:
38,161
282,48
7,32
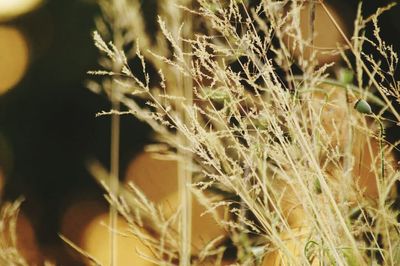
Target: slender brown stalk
114,161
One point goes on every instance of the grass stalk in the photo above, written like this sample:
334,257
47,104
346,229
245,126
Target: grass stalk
258,145
114,182
363,65
184,164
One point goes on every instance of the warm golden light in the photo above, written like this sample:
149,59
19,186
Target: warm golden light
95,241
14,56
292,248
85,223
158,179
13,8
327,37
77,216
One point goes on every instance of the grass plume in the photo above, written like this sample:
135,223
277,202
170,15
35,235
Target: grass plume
272,136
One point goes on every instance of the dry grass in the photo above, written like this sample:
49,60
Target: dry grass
9,254
306,178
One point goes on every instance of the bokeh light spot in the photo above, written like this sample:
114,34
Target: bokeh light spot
327,38
14,57
10,9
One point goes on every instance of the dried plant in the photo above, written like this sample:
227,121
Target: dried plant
9,254
275,139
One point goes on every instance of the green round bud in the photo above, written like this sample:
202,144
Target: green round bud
363,107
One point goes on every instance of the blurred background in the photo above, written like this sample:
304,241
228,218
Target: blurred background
48,128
